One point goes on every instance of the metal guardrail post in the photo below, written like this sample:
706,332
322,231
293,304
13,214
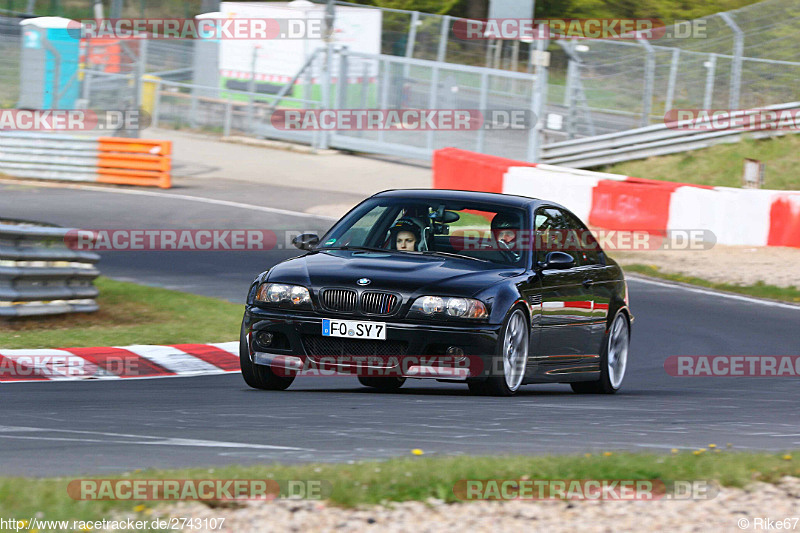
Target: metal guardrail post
41,275
736,64
156,104
482,102
226,127
569,48
326,90
539,98
411,41
251,88
649,80
384,93
441,52
432,98
56,72
341,84
141,65
673,79
711,66
193,104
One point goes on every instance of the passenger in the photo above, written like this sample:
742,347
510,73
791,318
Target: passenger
405,236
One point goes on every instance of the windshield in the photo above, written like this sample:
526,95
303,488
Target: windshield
478,231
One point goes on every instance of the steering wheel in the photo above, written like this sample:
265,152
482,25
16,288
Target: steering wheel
506,251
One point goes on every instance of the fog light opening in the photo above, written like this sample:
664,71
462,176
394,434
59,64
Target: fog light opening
264,338
454,351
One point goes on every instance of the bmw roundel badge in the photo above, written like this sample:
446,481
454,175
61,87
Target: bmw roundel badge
364,281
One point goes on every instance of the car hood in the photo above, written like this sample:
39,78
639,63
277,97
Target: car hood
406,273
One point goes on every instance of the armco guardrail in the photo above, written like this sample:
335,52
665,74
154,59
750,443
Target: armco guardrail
41,275
650,141
115,160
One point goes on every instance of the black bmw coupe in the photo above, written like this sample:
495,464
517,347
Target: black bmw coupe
494,290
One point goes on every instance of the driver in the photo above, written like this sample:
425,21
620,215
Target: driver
504,229
405,235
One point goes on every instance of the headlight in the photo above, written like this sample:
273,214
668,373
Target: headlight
442,307
280,293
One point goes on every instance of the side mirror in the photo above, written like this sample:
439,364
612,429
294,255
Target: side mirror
558,260
306,241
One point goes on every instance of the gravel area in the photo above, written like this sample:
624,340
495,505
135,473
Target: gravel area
730,264
730,510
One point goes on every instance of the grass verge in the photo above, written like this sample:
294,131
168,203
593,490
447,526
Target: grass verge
721,165
130,314
759,290
414,478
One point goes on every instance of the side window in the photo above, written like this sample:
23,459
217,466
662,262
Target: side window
557,230
587,247
552,230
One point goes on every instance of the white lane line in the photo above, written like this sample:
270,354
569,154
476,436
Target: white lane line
140,439
710,292
157,194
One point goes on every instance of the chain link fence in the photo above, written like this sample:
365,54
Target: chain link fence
745,58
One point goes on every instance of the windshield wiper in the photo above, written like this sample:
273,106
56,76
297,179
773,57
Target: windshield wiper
459,256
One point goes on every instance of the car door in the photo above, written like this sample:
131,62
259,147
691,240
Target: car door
565,340
603,283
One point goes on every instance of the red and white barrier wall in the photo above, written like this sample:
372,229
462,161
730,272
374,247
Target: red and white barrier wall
736,216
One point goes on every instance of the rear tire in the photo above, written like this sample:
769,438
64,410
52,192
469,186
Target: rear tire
259,376
383,384
613,360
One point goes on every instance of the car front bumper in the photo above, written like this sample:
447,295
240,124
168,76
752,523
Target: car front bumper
412,350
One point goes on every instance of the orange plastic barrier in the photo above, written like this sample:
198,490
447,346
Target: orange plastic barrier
470,171
784,221
134,162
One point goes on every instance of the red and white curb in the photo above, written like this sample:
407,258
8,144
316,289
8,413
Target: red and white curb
119,362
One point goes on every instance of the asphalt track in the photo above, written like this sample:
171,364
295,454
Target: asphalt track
97,427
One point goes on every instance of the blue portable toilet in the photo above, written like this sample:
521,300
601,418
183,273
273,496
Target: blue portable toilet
49,63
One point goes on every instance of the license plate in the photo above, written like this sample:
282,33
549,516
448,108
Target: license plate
353,329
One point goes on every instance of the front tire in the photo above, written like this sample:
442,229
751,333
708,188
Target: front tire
513,350
613,360
382,384
259,376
